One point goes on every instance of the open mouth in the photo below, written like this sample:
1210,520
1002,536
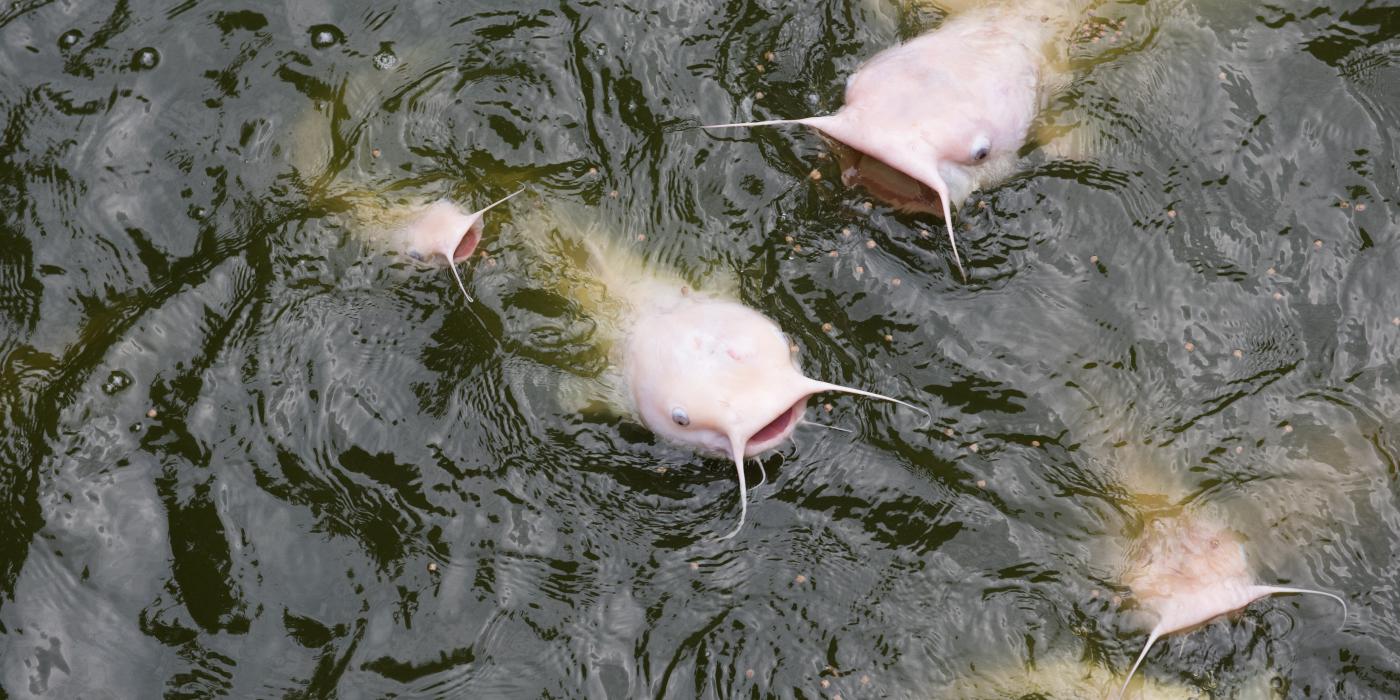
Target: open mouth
466,245
777,428
890,185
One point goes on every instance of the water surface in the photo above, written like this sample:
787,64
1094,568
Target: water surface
246,453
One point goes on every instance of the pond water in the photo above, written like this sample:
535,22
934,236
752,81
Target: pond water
246,453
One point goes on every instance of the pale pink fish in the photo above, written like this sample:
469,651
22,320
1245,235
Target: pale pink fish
695,367
1188,571
716,375
442,231
931,120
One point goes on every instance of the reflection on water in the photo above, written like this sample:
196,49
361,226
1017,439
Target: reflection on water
247,452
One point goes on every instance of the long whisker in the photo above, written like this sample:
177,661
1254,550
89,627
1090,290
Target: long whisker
1271,590
453,267
828,386
948,220
488,207
1151,639
738,449
824,426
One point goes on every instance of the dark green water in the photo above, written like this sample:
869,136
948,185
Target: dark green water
358,485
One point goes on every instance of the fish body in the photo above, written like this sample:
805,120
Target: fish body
696,366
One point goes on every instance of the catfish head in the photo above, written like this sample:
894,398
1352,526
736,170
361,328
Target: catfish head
718,376
444,232
1187,571
931,120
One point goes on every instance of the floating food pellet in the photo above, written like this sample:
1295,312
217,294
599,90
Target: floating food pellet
825,683
1239,449
1171,213
800,579
868,205
1238,354
613,194
792,348
695,565
1317,243
981,483
758,67
769,56
870,243
1271,271
948,432
1222,75
641,236
1287,428
826,407
973,447
981,204
1190,347
788,239
758,95
832,254
374,153
1094,593
896,282
748,673
889,338
860,269
815,174
1395,321
1093,259
797,248
846,232
1035,443
864,679
69,39
592,171
826,327
661,470
145,59
432,567
1361,207
1343,204
151,413
1278,296
1116,600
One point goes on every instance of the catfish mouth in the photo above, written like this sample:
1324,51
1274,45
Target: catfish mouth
466,245
886,182
777,429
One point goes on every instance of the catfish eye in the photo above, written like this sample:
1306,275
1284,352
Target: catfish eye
678,415
981,148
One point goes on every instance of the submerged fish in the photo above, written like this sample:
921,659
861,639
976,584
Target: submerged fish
325,143
1187,571
695,366
1065,678
927,122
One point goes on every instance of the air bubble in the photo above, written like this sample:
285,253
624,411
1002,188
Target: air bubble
145,59
69,39
324,36
116,381
385,59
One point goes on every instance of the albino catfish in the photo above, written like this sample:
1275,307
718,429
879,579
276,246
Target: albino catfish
696,367
1188,571
927,122
439,233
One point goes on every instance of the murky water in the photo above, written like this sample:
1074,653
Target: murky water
247,454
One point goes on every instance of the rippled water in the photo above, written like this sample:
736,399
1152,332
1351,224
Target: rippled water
248,454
